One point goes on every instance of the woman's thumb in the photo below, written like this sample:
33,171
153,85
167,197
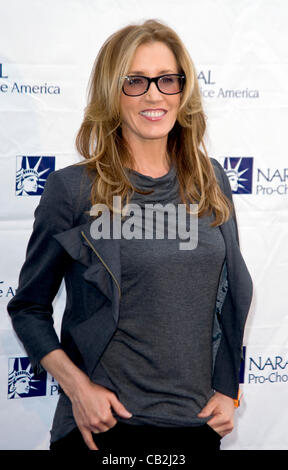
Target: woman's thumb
206,411
119,408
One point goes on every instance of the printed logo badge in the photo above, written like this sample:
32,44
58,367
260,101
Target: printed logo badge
22,382
31,174
239,171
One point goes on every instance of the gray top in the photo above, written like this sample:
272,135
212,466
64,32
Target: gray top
159,361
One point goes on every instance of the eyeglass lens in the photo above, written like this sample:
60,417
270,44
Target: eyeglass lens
169,84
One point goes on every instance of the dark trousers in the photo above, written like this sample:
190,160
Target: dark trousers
144,439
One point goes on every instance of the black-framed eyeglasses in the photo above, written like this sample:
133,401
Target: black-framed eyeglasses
169,84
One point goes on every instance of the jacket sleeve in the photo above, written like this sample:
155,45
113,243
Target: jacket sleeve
230,355
42,272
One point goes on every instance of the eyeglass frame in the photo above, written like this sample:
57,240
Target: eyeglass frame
155,80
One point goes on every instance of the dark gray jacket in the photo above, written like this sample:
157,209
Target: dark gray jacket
61,246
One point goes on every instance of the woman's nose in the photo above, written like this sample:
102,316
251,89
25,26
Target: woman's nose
153,93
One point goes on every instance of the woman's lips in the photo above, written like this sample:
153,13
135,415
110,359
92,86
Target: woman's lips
153,114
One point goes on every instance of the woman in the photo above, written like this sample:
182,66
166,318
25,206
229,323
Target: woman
151,334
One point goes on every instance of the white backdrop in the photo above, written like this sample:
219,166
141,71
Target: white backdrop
47,50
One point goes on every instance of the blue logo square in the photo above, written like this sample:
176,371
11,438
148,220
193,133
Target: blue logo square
240,174
31,174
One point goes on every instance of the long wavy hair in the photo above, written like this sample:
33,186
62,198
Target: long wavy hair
105,151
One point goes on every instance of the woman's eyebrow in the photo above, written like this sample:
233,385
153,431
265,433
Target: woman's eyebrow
140,72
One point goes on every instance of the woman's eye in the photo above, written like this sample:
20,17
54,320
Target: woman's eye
135,81
168,79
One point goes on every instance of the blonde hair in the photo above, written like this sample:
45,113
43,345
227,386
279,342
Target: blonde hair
100,142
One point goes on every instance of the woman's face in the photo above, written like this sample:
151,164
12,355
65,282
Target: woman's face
22,386
138,123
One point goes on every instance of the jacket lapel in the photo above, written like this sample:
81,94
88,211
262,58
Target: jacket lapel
101,257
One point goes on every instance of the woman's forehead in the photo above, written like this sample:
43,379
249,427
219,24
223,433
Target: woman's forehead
155,57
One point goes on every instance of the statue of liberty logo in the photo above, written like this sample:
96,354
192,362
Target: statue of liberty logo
21,381
236,169
29,178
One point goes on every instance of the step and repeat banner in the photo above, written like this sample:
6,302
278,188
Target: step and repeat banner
47,50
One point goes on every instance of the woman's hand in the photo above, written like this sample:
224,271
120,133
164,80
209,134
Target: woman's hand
221,407
92,411
91,403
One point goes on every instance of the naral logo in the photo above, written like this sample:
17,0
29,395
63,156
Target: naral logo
258,368
207,89
31,174
268,369
27,88
239,171
272,181
22,382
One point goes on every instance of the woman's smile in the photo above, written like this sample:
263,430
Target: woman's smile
153,114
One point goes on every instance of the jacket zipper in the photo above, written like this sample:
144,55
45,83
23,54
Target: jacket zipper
101,259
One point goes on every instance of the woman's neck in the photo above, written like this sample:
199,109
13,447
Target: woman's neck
150,158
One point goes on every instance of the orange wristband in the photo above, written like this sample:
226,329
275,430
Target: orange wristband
237,401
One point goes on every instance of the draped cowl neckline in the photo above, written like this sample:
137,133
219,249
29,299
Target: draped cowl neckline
164,187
